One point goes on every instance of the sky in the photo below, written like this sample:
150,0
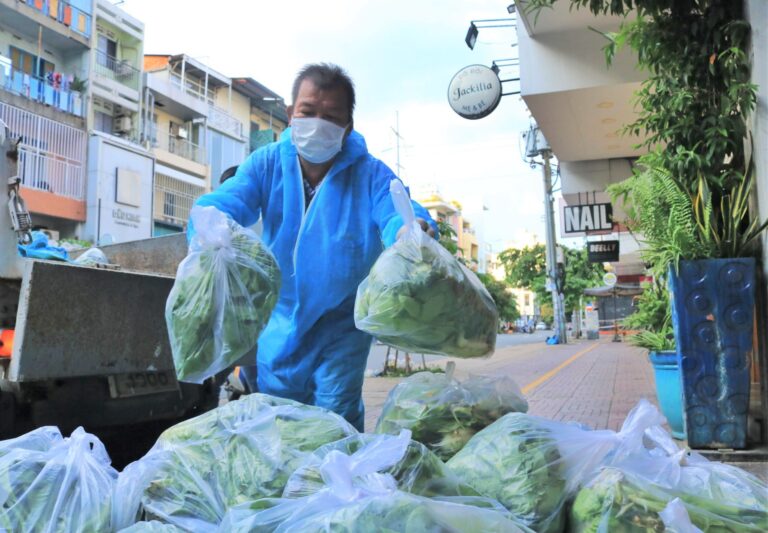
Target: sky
401,56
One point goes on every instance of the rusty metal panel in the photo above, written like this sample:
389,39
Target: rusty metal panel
76,321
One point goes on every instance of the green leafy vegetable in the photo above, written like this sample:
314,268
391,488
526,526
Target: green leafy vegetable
242,451
419,471
421,299
623,502
443,413
518,462
57,485
224,294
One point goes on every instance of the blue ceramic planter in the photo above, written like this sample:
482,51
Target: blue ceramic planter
712,312
669,390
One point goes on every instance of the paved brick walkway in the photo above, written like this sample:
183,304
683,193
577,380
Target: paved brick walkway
598,382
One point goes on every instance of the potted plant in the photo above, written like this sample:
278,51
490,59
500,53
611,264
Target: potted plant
652,325
704,240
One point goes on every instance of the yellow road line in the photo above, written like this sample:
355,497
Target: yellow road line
532,385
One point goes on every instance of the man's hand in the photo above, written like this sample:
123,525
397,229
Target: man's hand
424,225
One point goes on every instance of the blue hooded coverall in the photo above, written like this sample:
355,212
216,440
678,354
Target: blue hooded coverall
310,350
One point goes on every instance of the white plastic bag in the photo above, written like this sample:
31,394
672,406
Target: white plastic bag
51,484
241,451
92,256
418,471
359,496
419,298
444,413
533,465
223,296
676,519
715,495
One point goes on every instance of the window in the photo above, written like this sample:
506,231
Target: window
527,300
25,62
102,122
107,51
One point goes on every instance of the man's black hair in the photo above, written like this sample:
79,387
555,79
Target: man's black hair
326,76
231,171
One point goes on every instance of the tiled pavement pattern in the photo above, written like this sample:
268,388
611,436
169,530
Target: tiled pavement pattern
598,388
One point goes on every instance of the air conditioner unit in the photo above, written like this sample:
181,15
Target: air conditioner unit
122,124
179,131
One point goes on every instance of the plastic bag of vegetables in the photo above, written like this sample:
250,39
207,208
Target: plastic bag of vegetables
419,298
242,451
358,494
443,413
53,484
418,471
618,500
533,465
223,296
716,496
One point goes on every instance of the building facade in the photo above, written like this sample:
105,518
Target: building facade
44,60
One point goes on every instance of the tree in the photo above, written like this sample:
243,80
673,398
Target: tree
505,300
527,268
447,235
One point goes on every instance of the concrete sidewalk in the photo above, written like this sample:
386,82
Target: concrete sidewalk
593,382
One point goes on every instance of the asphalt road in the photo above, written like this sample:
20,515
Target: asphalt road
379,351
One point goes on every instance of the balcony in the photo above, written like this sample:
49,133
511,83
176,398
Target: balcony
193,88
117,70
61,25
70,16
51,163
48,92
180,147
224,122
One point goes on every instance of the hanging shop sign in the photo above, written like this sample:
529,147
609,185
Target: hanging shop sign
474,92
603,251
587,218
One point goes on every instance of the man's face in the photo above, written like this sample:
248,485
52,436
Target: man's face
330,105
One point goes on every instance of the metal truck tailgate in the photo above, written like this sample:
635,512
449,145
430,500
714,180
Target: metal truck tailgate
78,321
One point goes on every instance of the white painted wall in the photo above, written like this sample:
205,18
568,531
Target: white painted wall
105,216
569,60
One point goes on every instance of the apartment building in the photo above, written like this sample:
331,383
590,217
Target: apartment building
44,65
195,124
120,167
268,117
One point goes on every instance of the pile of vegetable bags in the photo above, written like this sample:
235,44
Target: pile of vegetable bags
359,491
419,298
224,294
533,465
54,484
444,413
241,451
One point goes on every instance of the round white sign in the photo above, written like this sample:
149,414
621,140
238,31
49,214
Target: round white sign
474,92
609,278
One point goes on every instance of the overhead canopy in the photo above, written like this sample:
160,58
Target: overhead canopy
617,290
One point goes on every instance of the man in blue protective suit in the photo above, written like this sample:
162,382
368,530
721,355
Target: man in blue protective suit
327,214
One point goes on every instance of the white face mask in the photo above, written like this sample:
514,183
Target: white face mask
317,140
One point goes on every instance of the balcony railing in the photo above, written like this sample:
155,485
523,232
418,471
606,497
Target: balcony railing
193,88
51,155
118,70
74,18
221,120
180,147
48,92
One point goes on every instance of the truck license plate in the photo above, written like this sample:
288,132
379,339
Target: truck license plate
139,383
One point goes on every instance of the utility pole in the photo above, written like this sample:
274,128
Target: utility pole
536,145
396,130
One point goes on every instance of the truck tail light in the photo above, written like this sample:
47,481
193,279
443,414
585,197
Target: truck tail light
6,342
